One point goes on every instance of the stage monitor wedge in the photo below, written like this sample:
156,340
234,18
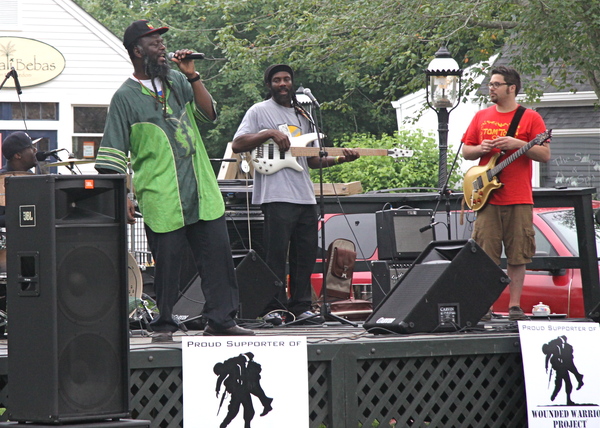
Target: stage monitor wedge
386,274
67,294
402,234
450,286
258,285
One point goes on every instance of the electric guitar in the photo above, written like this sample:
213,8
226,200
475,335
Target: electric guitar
267,159
480,181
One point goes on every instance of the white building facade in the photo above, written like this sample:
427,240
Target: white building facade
68,66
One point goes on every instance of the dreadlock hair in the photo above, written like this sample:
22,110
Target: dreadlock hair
166,84
130,50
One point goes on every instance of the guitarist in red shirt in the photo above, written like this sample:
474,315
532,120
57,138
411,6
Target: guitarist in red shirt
507,218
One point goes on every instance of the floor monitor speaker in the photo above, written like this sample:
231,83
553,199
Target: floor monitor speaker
190,304
258,285
386,274
68,298
450,286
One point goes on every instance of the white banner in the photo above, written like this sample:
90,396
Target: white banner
243,382
562,374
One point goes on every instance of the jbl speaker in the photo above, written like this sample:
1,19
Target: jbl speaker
403,233
258,285
67,298
450,286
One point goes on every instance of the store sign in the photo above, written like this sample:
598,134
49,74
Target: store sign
35,62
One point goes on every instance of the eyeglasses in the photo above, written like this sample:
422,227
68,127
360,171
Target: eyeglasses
496,85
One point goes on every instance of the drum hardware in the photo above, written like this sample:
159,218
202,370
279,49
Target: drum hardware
134,282
70,162
144,313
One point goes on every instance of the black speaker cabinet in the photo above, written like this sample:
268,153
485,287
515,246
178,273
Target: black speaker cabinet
386,275
67,292
258,285
191,302
400,233
450,286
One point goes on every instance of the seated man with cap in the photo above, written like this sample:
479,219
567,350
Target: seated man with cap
19,151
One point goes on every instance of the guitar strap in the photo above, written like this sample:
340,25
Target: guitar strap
512,129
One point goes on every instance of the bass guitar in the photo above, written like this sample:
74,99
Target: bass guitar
480,181
268,159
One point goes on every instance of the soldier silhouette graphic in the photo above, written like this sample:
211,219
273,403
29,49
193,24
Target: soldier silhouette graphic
559,353
240,377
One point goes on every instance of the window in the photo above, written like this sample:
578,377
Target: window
89,119
88,126
28,111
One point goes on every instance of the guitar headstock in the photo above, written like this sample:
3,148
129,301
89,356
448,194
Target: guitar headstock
542,137
400,153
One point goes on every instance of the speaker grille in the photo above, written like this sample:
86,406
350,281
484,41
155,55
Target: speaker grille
87,284
399,234
88,365
409,293
408,237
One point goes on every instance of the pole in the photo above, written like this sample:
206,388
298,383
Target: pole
443,144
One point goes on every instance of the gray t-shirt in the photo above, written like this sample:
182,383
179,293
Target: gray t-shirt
287,184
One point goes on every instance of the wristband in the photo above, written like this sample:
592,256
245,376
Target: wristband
194,79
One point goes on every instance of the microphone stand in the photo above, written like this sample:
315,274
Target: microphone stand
325,312
445,192
12,73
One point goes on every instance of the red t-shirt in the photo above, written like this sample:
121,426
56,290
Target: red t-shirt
489,124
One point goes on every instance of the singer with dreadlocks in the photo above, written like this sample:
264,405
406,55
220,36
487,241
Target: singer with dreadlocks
286,197
154,117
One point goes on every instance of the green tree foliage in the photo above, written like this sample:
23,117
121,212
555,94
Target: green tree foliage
375,173
359,55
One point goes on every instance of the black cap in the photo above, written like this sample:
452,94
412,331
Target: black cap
271,70
139,29
16,143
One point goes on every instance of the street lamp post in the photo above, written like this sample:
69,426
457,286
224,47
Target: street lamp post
443,85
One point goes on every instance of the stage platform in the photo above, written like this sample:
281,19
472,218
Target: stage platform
357,379
460,379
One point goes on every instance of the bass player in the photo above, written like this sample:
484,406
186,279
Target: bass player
287,196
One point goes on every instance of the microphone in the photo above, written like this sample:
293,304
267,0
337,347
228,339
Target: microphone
309,94
17,84
41,156
429,226
171,55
